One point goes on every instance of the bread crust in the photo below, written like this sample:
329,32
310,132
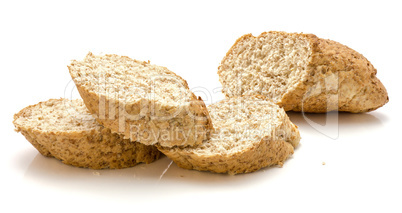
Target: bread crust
117,116
264,154
97,148
337,79
267,152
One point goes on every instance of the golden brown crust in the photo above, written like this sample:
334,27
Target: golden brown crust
96,148
118,116
337,78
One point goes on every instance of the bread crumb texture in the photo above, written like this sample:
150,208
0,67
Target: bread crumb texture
144,102
64,129
301,72
251,132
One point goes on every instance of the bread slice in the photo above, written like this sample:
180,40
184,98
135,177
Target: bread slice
147,103
251,132
301,72
64,129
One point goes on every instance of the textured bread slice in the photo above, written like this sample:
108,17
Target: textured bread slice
64,129
147,103
251,132
301,72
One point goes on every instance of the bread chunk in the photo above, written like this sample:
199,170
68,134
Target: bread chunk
301,72
251,133
144,102
64,129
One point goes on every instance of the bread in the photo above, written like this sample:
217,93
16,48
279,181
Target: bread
301,72
64,129
147,103
251,132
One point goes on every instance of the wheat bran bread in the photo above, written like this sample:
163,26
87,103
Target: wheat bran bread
251,132
144,102
301,72
64,129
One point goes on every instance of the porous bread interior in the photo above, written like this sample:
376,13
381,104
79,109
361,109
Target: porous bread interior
270,65
58,115
240,123
129,81
144,102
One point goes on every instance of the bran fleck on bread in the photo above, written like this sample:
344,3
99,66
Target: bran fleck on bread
251,132
301,72
64,129
147,103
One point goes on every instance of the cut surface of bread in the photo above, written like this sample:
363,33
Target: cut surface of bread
251,132
147,103
301,72
64,129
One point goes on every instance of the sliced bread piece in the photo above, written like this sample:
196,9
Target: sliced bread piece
301,72
64,129
251,132
147,103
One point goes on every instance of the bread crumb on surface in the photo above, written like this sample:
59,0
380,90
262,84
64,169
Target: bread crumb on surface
323,163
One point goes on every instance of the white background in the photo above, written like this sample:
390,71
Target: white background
362,171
